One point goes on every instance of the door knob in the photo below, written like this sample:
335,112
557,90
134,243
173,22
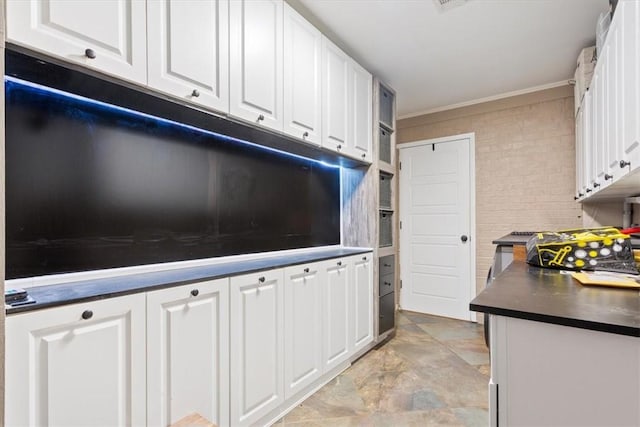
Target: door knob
464,238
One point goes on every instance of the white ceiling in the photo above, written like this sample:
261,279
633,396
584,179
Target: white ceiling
480,49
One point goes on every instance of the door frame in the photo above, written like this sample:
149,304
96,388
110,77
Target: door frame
472,205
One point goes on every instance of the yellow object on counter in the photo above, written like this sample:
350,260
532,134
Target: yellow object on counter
605,278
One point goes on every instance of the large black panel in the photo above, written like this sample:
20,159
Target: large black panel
91,186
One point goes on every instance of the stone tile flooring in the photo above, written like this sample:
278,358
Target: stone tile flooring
435,371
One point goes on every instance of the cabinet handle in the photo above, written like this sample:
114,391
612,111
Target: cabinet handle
596,185
364,258
306,270
339,263
624,163
575,197
195,93
387,283
195,292
364,155
607,177
386,265
588,190
580,194
305,134
261,279
87,314
339,146
261,117
89,53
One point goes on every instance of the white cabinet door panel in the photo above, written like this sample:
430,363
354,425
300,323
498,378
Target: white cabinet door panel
362,93
303,326
189,50
630,11
114,29
337,302
362,310
188,353
302,68
336,102
257,369
256,61
68,371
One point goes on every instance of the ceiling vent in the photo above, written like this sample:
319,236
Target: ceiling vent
444,5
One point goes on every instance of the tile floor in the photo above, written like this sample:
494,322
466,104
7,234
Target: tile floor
433,372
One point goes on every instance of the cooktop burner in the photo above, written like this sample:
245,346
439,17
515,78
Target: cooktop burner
523,233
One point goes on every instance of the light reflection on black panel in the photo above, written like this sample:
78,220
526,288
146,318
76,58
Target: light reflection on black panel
91,187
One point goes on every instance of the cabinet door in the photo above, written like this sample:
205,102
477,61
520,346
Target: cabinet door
336,131
336,317
64,370
614,105
362,93
257,369
586,137
630,14
362,307
579,152
597,115
189,50
302,326
602,115
302,68
256,61
188,353
113,30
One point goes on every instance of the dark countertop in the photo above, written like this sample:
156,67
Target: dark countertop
96,289
551,296
511,240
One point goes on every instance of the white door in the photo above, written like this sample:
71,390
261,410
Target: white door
77,365
302,326
362,307
336,313
362,112
256,325
336,102
435,236
255,33
108,35
189,50
302,68
188,353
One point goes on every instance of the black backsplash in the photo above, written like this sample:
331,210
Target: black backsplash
90,186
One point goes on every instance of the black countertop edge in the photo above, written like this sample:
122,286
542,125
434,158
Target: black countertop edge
510,240
56,295
557,320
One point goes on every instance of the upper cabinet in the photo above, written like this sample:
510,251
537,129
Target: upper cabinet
256,65
109,36
259,61
189,50
302,81
607,133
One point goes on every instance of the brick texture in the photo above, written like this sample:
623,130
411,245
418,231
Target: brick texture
525,168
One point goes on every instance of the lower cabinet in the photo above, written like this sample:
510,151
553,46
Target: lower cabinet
362,306
188,353
336,313
81,364
257,363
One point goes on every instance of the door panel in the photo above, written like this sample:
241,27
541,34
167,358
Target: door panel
335,98
336,314
362,301
435,208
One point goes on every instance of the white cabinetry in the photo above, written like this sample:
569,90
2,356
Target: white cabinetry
109,36
188,353
362,113
189,50
256,325
302,81
256,61
81,364
362,306
610,134
336,315
303,326
335,98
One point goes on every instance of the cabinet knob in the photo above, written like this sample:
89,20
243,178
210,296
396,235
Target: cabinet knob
89,53
607,177
195,292
580,194
364,155
624,163
596,185
305,134
588,190
386,265
195,93
306,270
339,146
339,263
387,283
87,314
575,197
364,258
261,279
261,117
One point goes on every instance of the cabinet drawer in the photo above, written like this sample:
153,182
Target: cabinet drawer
386,107
386,313
386,284
385,145
387,265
